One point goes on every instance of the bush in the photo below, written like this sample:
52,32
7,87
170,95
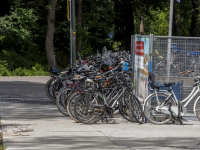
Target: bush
86,51
4,71
36,70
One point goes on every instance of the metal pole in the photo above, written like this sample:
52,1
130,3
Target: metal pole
169,40
132,59
137,38
73,36
71,32
150,57
185,54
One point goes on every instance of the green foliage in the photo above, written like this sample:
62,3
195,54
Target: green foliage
36,70
4,71
159,23
1,38
17,30
23,60
23,28
86,51
98,22
116,45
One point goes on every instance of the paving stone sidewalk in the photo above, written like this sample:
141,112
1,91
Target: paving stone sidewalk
31,121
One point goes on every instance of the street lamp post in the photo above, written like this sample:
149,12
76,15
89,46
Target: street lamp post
169,40
71,18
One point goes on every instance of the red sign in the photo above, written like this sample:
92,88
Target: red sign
139,48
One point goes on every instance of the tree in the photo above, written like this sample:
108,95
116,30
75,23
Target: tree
194,17
124,25
50,32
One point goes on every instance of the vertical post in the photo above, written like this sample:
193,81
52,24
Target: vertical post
72,34
71,31
137,38
150,56
132,60
185,54
169,41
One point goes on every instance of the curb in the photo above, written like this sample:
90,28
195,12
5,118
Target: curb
39,79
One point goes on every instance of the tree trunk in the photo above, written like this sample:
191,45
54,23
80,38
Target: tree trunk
174,23
79,21
128,15
50,32
141,19
194,17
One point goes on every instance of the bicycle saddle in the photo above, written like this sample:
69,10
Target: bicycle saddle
153,86
169,84
81,79
64,72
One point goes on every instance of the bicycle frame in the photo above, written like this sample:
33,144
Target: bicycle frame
172,95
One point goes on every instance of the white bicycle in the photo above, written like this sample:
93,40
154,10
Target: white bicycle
162,106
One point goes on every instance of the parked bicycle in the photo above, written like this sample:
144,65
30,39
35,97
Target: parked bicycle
162,106
98,89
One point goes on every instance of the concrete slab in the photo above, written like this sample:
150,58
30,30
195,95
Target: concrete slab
32,122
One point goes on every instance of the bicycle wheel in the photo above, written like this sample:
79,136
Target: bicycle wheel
137,109
197,108
48,88
123,108
85,111
152,111
70,105
58,85
61,100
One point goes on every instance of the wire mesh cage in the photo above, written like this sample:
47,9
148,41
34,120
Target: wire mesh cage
168,56
185,56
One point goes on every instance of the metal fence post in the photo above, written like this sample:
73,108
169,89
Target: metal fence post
150,55
132,59
185,54
137,72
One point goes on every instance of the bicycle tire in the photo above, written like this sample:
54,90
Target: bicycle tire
85,113
70,106
197,108
48,89
134,110
138,110
157,117
58,85
123,105
61,100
